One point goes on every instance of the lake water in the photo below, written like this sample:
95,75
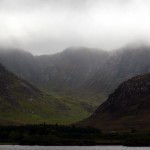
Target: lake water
16,147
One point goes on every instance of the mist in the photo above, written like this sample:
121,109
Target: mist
49,26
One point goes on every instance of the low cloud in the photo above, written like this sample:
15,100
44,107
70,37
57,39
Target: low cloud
49,26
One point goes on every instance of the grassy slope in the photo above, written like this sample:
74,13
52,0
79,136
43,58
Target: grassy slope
23,103
69,107
46,108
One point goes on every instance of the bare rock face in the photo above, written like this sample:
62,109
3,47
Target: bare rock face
127,108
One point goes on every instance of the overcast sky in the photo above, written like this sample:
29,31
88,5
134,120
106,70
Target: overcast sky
49,26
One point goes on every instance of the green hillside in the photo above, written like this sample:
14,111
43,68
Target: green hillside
22,103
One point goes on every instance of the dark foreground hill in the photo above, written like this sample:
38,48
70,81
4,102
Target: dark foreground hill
126,109
22,103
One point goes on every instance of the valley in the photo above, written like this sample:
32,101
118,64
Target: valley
70,84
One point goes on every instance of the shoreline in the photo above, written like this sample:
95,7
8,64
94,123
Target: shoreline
103,144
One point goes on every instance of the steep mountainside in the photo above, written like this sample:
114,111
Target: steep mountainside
22,103
122,65
59,72
127,108
70,69
21,63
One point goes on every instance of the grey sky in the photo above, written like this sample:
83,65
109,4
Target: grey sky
49,26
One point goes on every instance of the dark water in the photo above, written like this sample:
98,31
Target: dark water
10,147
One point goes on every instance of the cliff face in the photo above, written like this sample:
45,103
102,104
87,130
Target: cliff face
127,108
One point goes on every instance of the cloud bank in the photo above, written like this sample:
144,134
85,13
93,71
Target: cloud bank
49,26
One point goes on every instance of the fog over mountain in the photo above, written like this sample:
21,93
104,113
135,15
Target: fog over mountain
48,26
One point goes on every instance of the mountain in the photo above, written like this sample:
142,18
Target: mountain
127,108
23,103
79,75
121,65
70,69
78,68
